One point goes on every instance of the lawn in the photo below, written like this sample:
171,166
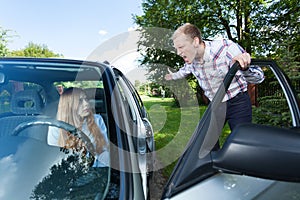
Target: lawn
173,126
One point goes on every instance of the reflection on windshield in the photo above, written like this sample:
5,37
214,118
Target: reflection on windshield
31,169
73,178
215,120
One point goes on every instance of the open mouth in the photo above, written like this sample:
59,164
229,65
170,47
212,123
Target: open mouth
185,59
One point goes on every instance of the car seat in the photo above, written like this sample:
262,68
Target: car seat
25,106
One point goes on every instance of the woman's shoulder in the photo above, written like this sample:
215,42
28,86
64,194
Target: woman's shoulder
98,117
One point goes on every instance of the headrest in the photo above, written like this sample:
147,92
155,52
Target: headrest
95,93
26,102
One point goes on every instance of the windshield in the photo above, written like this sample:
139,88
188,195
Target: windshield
38,171
54,135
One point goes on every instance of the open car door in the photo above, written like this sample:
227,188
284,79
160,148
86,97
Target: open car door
200,171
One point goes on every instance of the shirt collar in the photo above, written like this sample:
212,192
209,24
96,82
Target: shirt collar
206,56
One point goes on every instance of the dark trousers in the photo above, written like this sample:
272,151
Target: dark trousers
239,110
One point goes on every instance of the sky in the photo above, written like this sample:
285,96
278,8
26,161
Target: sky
73,28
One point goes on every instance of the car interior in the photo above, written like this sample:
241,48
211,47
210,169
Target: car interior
97,101
31,93
25,105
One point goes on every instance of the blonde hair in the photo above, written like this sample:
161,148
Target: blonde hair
189,30
67,111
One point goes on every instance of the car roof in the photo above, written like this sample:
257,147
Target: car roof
50,69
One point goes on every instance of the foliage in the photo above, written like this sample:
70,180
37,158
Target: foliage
35,50
72,179
274,114
4,39
80,84
170,122
31,50
273,107
262,27
278,29
231,19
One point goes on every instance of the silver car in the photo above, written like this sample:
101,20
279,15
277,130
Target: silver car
260,160
33,168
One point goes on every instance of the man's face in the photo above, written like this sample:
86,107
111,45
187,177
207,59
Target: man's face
84,106
185,47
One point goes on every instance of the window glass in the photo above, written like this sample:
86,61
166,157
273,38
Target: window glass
81,84
271,106
12,87
51,159
135,95
94,91
127,99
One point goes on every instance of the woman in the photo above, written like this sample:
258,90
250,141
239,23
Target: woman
74,108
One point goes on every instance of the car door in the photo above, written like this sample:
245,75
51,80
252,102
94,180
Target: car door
150,144
140,127
258,160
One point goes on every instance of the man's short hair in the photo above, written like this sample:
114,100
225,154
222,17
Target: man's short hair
189,30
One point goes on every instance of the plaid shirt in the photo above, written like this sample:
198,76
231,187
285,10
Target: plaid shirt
217,60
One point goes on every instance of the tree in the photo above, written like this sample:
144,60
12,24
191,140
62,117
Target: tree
4,39
278,29
35,50
280,37
72,179
262,27
230,19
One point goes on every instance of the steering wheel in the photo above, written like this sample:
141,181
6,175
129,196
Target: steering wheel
59,124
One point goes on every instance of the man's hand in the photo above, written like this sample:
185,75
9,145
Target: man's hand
168,77
244,59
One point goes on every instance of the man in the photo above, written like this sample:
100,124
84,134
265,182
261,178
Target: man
209,61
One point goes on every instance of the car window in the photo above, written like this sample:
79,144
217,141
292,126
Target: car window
128,100
131,89
271,106
135,95
31,160
12,87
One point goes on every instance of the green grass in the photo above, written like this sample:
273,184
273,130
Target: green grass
172,128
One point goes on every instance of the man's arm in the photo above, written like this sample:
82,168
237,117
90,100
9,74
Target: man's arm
168,76
183,72
244,59
252,74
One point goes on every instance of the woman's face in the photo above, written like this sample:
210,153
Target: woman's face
84,106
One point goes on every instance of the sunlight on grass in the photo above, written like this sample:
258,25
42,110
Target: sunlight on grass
173,128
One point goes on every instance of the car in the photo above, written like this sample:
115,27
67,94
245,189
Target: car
32,168
259,160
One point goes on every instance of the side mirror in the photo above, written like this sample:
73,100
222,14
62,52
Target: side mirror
144,112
